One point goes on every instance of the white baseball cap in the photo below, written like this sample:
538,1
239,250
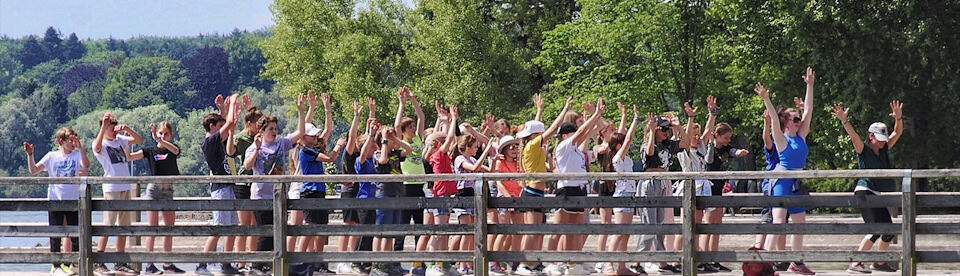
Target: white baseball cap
312,130
529,128
505,142
879,131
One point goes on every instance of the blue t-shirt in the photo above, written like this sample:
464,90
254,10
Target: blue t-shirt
310,166
772,160
366,189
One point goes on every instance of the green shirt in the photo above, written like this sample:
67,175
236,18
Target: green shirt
242,140
413,164
867,159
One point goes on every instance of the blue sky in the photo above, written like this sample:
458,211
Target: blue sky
124,19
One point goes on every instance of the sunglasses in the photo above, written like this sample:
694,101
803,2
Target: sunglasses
796,120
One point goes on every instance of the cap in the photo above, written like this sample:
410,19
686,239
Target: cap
879,131
567,128
530,128
505,142
312,130
663,123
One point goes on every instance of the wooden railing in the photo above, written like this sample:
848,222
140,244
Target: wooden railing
909,200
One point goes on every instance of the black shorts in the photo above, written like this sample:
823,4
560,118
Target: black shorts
874,215
605,190
366,216
315,216
242,191
530,192
717,188
56,218
571,191
350,215
467,192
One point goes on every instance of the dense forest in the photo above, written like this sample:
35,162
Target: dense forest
494,55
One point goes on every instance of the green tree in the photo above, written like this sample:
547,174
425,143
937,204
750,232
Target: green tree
85,99
52,44
246,60
73,48
9,62
32,53
143,81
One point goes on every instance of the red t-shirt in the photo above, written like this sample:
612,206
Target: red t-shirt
512,186
442,164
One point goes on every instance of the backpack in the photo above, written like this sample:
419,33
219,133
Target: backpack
760,268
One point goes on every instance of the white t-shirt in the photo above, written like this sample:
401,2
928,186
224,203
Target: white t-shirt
273,155
570,160
694,160
113,159
624,164
58,164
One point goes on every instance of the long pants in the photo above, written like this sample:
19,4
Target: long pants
652,215
413,191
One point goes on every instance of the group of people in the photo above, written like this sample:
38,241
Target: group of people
585,142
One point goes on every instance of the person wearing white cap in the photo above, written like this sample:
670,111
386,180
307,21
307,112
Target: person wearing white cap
873,154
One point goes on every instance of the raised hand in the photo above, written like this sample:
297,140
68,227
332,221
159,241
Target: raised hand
712,104
691,111
76,142
454,113
840,113
538,101
651,121
600,106
896,108
247,103
28,148
341,142
325,99
301,103
810,76
371,104
218,101
258,140
762,91
356,108
402,94
311,98
569,103
623,109
153,132
766,116
798,104
635,113
589,108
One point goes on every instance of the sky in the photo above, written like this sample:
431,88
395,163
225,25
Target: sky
97,19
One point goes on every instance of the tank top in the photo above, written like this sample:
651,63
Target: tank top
794,156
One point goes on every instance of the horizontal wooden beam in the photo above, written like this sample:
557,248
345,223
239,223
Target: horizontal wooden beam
207,257
32,204
38,258
589,229
804,256
380,230
400,256
849,200
800,228
38,231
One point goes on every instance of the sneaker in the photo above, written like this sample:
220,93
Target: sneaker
56,271
719,267
579,269
151,270
801,269
343,268
554,270
202,270
465,271
781,266
706,268
323,271
524,270
398,268
124,269
495,269
668,269
68,269
885,267
172,269
227,269
101,269
259,270
357,269
858,268
435,271
377,271
418,271
599,267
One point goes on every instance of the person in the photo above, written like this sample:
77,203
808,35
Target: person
772,159
392,151
572,157
412,133
606,188
311,155
162,160
349,190
658,151
69,160
293,191
533,159
242,141
507,162
443,144
112,150
217,145
790,140
267,156
620,161
467,146
873,154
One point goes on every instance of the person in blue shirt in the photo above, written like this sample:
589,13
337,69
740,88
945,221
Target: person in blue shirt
310,158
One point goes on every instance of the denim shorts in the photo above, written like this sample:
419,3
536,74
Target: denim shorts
224,217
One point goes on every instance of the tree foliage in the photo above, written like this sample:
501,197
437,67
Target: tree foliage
209,75
144,81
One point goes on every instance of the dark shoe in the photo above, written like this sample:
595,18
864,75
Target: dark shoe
320,270
669,269
170,268
719,267
801,269
124,269
781,266
152,270
885,267
706,268
101,269
227,269
202,270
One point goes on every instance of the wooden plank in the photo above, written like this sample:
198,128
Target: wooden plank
909,234
380,203
280,230
183,205
938,256
183,231
513,256
39,231
938,200
264,205
585,202
581,229
480,228
380,230
85,223
20,204
800,228
848,200
193,257
367,256
805,256
38,258
937,228
689,257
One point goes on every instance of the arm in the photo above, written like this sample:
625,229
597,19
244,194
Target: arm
78,146
691,116
841,114
332,157
628,137
402,98
301,120
478,166
251,158
231,117
421,119
137,139
778,138
711,119
538,102
31,164
407,149
442,117
312,106
327,116
556,122
131,156
589,126
219,102
450,140
767,140
104,126
167,145
352,133
807,104
651,134
371,131
897,114
623,118
482,139
231,147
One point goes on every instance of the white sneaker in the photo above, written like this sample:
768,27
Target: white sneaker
598,267
435,271
452,271
343,268
578,269
525,270
651,267
554,270
59,272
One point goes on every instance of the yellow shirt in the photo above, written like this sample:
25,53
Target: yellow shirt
534,159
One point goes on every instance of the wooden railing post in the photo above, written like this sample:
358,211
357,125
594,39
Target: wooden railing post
480,228
280,229
85,225
689,236
908,261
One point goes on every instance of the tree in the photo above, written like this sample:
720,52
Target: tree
78,75
47,73
9,63
32,53
246,60
31,119
86,98
73,48
209,74
143,81
52,44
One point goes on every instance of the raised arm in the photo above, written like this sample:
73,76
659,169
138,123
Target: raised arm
538,103
78,146
628,136
332,157
623,118
651,137
352,133
767,140
896,108
778,138
555,126
421,119
711,119
104,127
327,117
137,139
31,163
442,117
251,159
841,114
312,106
807,104
691,117
221,107
478,166
231,116
163,143
301,119
451,139
589,126
482,139
372,129
402,99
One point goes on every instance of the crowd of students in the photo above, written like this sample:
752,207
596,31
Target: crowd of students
574,142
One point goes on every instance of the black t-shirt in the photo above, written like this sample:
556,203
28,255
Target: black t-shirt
393,162
215,153
161,160
347,165
663,155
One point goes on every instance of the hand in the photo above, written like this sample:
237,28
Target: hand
454,113
766,117
712,104
623,109
742,152
105,121
374,128
371,104
410,95
762,91
589,108
341,142
153,132
635,113
28,148
120,128
258,141
669,116
356,108
651,122
569,103
236,109
538,101
798,104
301,103
391,134
896,108
810,76
401,94
840,113
218,101
76,142
601,107
247,103
691,112
325,99
311,98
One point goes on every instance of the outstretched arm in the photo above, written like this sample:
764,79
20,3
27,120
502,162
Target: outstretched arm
31,163
421,118
841,114
778,138
312,104
301,120
711,119
538,102
402,99
896,108
587,129
231,116
651,134
372,128
482,139
478,166
352,133
451,139
623,118
555,126
807,104
691,116
628,137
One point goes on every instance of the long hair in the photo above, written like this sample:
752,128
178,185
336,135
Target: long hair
784,113
463,142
